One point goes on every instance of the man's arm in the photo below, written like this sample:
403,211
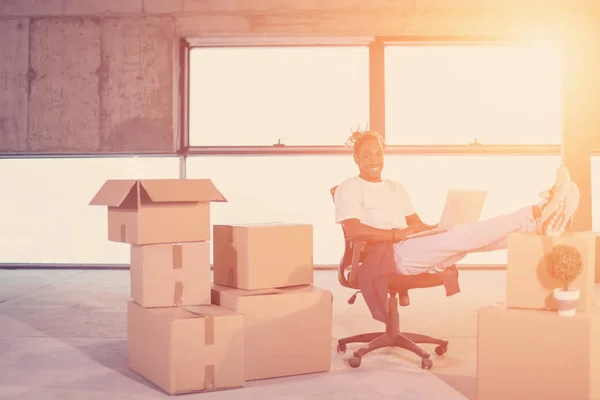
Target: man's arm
413,219
355,230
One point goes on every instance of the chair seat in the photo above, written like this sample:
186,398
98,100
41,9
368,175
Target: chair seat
401,282
424,280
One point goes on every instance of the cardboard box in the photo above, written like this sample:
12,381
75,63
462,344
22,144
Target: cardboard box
287,331
597,261
186,349
530,354
263,256
167,275
158,210
528,285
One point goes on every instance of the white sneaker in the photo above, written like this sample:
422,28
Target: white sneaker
561,202
560,220
563,177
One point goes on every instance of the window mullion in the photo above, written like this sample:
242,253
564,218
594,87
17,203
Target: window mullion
377,87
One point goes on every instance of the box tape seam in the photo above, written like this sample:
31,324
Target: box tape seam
209,340
178,264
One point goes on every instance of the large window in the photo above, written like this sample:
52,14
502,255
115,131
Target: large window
312,96
454,95
260,96
296,189
45,216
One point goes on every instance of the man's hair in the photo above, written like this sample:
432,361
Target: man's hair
358,137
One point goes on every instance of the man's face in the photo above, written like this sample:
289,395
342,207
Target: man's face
370,160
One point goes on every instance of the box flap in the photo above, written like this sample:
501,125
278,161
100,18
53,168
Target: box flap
171,313
263,292
113,193
182,190
209,311
244,293
265,225
186,312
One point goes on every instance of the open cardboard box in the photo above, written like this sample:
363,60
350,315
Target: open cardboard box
150,211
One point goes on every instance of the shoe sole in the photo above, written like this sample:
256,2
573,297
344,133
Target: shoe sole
566,204
551,208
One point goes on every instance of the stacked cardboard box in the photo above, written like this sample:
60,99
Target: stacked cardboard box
525,350
597,269
265,272
176,338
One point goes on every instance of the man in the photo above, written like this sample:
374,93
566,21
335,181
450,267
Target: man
378,210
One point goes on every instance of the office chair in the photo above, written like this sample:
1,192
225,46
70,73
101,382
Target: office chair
398,287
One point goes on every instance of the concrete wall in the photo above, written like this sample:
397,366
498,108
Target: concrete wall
85,83
89,75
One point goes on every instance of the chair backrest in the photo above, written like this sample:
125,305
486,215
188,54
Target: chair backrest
348,256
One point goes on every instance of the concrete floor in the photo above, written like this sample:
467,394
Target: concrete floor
63,335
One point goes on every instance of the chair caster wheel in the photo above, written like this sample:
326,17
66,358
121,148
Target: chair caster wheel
426,363
441,350
341,348
354,361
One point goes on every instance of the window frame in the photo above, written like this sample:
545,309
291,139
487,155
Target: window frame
273,42
377,45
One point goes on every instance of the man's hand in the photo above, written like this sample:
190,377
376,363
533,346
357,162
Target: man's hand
411,230
420,227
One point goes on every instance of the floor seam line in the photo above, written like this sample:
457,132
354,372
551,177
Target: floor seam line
40,287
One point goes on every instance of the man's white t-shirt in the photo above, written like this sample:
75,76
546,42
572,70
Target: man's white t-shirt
382,205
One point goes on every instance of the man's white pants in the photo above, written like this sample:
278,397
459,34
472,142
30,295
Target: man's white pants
435,252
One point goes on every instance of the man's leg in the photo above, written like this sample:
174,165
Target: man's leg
418,255
442,250
501,244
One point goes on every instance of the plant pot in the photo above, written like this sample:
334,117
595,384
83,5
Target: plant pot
567,301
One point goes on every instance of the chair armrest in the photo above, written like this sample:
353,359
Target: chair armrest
351,261
358,247
357,250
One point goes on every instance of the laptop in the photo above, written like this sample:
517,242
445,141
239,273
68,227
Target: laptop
462,207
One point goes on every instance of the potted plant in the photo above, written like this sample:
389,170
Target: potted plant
564,264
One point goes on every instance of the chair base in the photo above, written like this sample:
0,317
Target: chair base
405,340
